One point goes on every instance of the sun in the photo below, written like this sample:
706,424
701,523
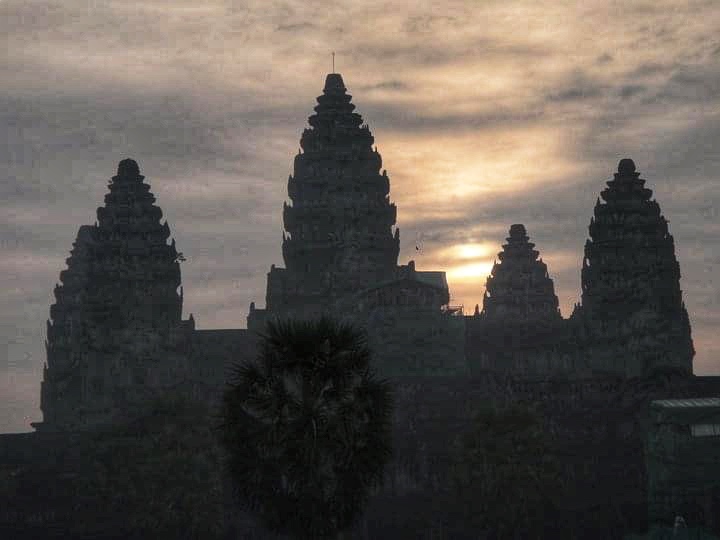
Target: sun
470,272
472,251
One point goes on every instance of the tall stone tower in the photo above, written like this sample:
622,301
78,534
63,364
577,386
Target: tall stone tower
116,326
519,288
341,251
340,221
520,329
632,313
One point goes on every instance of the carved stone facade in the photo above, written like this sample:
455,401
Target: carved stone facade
519,329
341,252
339,223
116,327
519,288
598,427
632,319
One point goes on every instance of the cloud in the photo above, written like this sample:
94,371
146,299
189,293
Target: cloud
692,84
649,69
297,27
630,90
385,85
428,23
579,86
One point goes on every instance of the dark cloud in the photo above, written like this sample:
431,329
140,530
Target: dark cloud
578,86
428,54
692,84
397,53
427,23
650,69
555,216
401,118
575,93
297,27
631,90
385,85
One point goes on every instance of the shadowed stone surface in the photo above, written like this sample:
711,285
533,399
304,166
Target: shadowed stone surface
597,426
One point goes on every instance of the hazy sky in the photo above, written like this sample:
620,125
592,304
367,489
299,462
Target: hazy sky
486,114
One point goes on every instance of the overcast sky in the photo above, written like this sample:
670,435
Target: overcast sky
486,114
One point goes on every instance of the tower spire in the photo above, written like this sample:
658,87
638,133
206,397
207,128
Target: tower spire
333,62
629,272
324,236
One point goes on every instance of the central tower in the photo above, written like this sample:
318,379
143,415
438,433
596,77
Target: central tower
338,234
341,250
341,217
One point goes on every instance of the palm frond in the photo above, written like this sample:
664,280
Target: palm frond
307,426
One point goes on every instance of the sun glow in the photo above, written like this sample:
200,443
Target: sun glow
470,272
470,251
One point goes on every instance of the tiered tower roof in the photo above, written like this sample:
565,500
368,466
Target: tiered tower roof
630,256
631,298
519,287
140,268
121,286
341,217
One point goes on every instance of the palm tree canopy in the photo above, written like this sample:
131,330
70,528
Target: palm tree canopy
307,427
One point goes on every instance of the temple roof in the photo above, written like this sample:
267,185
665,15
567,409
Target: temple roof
518,245
627,171
436,279
115,261
626,167
128,168
518,232
334,84
406,280
519,287
341,218
626,184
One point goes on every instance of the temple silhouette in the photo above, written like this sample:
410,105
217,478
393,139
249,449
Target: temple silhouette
634,429
116,331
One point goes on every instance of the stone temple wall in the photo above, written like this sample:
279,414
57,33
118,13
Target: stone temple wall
597,425
684,467
213,354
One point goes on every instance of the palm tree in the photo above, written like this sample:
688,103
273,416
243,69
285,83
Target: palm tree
307,428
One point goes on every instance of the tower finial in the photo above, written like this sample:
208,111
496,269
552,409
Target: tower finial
333,62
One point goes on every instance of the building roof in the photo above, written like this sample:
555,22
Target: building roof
686,403
436,279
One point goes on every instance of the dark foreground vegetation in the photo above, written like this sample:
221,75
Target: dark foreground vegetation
307,428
